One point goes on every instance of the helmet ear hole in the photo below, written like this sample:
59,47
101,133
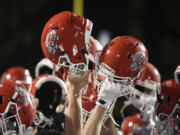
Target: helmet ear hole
129,55
55,28
62,70
168,100
1,100
90,66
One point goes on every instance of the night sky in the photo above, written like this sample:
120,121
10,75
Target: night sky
155,23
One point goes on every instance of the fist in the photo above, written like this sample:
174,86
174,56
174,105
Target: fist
75,83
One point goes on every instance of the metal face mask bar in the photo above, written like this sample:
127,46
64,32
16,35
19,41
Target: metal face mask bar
10,123
106,72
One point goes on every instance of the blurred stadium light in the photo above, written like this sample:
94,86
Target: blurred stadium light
104,36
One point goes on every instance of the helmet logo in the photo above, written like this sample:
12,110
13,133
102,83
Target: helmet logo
138,61
22,96
51,41
75,50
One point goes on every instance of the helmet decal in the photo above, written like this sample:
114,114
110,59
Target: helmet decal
51,41
22,96
138,61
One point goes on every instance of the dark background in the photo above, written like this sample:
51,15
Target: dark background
154,22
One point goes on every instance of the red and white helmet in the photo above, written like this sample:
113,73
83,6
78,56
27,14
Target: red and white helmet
65,38
143,95
177,75
44,66
17,108
134,125
50,93
122,60
17,73
168,108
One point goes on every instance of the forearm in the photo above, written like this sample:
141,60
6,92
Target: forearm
110,128
94,123
73,116
74,84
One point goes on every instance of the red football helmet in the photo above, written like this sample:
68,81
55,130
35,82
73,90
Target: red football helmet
168,108
65,40
50,94
150,72
177,75
135,125
17,73
143,95
122,60
17,108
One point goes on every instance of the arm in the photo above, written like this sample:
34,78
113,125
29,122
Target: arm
109,128
109,92
94,123
73,113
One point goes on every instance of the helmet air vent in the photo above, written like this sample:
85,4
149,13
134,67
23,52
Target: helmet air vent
55,28
129,55
1,100
168,100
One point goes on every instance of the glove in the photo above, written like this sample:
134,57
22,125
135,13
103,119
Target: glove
177,75
109,92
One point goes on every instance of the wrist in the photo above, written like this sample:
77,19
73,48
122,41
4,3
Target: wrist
104,103
74,100
74,93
